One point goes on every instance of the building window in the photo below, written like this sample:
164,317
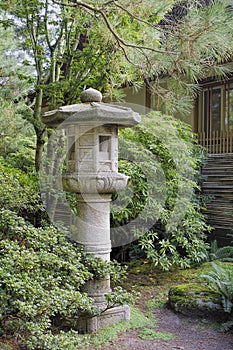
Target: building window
215,117
215,112
229,109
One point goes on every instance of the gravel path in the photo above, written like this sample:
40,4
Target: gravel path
190,334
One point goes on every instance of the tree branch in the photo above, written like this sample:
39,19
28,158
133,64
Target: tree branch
33,32
122,41
118,38
46,26
136,17
127,57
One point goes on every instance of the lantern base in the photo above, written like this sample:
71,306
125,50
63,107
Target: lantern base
107,318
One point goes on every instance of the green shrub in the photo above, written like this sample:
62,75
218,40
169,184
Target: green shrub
18,141
19,192
163,161
221,254
220,279
41,275
224,253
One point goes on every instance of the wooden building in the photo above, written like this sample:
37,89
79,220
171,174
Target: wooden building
212,120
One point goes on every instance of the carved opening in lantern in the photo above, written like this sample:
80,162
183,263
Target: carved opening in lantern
104,147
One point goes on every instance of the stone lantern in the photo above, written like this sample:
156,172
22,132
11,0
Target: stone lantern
91,130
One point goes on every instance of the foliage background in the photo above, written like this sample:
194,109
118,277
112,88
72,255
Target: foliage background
48,55
163,160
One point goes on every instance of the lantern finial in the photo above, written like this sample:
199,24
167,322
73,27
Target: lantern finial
91,95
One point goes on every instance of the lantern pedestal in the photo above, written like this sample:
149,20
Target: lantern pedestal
91,229
92,225
109,317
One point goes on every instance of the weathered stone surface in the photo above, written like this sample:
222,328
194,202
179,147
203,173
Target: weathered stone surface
94,114
193,298
95,183
96,289
111,316
91,95
92,226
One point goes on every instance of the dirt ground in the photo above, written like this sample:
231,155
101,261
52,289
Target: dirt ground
190,332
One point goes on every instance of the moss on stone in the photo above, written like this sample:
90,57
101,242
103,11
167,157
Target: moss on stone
193,297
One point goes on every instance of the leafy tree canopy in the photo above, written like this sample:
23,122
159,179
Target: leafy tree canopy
108,44
17,141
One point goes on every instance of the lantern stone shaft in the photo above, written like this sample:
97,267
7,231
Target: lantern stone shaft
92,174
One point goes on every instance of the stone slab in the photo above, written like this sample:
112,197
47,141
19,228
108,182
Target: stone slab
109,317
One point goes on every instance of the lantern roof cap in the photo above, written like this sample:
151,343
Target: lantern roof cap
91,95
91,111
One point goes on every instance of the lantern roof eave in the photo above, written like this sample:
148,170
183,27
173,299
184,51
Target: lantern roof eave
91,113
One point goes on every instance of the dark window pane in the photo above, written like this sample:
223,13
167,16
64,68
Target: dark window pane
230,108
206,110
216,109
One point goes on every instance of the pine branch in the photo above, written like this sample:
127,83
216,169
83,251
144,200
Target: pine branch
136,17
115,34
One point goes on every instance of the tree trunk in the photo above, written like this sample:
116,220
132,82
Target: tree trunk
40,141
52,168
40,128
